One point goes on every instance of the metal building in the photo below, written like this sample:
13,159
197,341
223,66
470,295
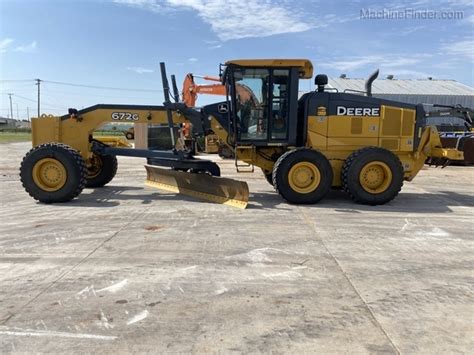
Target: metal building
8,123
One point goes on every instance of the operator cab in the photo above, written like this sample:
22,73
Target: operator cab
264,100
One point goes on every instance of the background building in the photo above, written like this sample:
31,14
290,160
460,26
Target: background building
9,123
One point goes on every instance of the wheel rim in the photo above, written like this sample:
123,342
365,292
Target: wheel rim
95,167
304,177
49,174
375,177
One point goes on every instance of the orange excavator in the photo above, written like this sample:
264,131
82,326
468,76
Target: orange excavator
190,93
191,90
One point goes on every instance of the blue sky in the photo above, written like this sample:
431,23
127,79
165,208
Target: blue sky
120,43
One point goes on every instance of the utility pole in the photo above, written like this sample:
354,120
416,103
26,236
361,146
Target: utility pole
11,106
38,83
17,113
28,113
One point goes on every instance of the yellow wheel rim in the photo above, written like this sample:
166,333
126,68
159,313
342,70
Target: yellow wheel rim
49,174
304,177
375,177
95,167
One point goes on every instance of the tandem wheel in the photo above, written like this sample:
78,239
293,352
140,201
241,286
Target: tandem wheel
372,176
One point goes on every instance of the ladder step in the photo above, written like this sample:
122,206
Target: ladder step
244,168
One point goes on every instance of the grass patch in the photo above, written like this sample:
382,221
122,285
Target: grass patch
109,133
10,137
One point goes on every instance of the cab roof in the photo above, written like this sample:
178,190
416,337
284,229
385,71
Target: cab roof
304,66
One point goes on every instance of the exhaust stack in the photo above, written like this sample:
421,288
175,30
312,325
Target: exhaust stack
370,80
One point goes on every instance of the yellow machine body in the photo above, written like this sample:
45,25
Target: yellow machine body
324,153
77,131
338,137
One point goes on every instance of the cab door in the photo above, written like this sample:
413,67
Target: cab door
265,105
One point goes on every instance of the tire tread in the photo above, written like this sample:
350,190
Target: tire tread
53,146
354,157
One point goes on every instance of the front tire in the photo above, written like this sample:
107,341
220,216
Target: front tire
102,170
372,176
302,176
53,172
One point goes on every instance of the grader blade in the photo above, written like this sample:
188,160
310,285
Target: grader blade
202,186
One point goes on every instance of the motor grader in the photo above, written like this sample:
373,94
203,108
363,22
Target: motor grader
304,145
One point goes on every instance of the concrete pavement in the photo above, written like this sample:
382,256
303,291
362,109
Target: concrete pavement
128,268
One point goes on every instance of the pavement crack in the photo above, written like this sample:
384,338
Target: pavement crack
354,288
80,262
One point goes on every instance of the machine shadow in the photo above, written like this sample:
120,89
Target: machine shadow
404,202
112,196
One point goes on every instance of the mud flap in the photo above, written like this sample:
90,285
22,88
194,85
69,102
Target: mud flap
202,186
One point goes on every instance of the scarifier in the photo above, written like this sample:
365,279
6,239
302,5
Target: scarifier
305,146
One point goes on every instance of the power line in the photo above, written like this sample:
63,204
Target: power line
99,87
20,109
22,86
16,80
7,110
25,98
81,85
45,104
68,93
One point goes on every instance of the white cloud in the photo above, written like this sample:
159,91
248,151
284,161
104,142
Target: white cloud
235,19
140,70
28,48
462,48
352,63
217,46
406,73
143,4
378,61
458,3
409,30
5,44
401,61
193,59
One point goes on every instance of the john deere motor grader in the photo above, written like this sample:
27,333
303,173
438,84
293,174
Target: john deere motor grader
304,146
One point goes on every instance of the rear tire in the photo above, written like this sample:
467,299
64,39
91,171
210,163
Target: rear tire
53,172
102,171
302,176
372,176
